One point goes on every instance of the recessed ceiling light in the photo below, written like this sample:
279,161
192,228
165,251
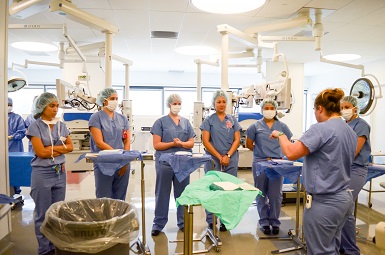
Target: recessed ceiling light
342,57
227,6
196,50
34,46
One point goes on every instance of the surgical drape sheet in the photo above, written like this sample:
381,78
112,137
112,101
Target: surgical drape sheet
273,170
375,171
229,206
183,165
110,163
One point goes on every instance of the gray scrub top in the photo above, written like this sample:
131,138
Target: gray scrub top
362,128
264,146
166,128
41,130
332,145
221,132
112,129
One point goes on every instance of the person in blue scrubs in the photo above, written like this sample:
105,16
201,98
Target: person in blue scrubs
16,133
359,169
258,140
170,134
109,130
328,148
50,140
221,139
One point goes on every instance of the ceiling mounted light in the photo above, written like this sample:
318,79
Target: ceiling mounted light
227,6
342,57
34,46
196,50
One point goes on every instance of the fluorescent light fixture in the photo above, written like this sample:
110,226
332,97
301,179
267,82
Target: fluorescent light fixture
227,6
196,50
342,57
34,46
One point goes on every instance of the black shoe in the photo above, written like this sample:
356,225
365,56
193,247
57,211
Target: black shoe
155,232
222,228
275,230
266,230
211,226
181,229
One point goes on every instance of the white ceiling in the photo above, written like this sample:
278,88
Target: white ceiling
350,26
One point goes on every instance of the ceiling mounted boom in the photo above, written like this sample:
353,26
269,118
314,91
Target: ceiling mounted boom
82,17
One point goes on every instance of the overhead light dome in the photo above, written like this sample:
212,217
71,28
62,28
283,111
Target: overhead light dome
227,6
342,57
34,46
196,50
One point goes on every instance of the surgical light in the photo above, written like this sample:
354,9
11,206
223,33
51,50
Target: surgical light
342,57
196,50
227,6
34,46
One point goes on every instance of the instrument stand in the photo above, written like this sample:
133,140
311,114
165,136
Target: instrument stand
292,236
142,246
188,234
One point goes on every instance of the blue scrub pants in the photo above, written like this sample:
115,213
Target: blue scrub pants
46,188
268,205
348,238
323,222
111,186
232,169
165,178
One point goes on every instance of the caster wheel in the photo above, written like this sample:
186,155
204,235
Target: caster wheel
370,205
133,172
217,249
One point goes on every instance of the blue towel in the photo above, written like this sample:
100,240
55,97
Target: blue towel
274,170
183,165
110,163
375,171
4,199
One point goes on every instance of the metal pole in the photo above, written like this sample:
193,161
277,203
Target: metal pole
108,60
143,202
225,61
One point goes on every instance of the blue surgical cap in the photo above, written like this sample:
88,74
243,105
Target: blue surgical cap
41,103
216,94
104,94
352,100
172,98
268,101
10,101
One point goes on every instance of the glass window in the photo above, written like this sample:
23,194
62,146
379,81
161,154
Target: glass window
23,98
146,101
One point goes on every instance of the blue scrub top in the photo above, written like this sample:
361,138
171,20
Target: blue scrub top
362,128
332,145
264,146
17,129
166,128
41,130
221,132
112,129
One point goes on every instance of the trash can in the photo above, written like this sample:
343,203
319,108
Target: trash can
91,226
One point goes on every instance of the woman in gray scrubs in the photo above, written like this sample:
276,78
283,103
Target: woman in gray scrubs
329,149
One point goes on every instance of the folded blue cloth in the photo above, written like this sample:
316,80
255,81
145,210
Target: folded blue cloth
110,163
274,170
375,171
4,199
183,165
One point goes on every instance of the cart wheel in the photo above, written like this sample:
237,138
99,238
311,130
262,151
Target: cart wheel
217,249
133,171
289,233
370,205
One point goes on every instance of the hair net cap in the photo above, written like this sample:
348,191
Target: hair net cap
104,94
268,101
10,101
172,98
350,99
41,103
216,94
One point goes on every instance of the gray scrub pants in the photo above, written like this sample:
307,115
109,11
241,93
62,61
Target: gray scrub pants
323,222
